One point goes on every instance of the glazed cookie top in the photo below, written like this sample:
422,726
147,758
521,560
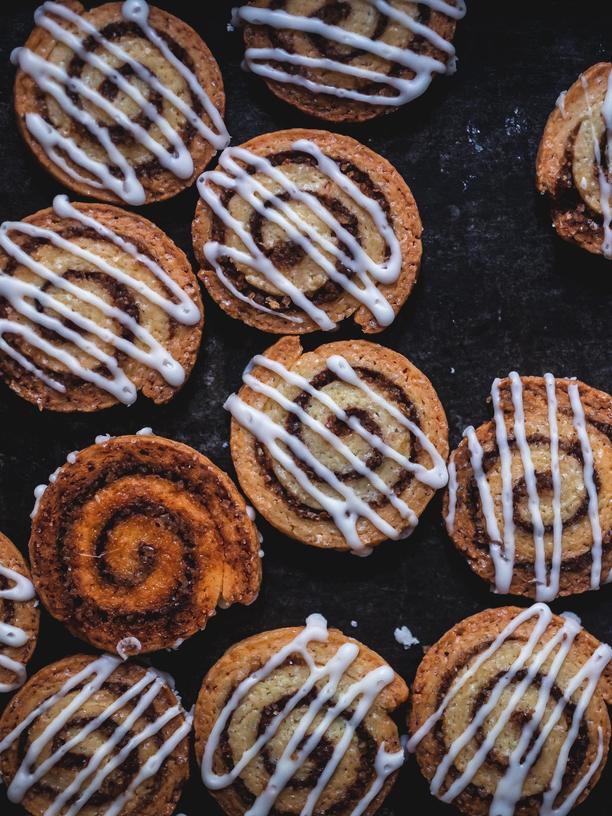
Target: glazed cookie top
349,61
96,304
300,229
509,713
299,721
530,494
340,447
93,735
574,165
123,102
137,540
19,616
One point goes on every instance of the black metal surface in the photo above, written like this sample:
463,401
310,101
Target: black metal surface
497,291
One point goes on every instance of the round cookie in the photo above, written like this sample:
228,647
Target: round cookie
123,102
19,616
574,162
298,230
106,736
508,713
342,447
299,717
349,61
136,542
530,493
96,304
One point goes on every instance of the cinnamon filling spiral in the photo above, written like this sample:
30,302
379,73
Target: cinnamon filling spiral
344,437
298,721
528,494
575,161
91,735
122,100
510,712
91,310
299,230
362,53
142,538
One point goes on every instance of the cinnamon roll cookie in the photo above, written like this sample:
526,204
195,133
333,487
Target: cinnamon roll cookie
96,304
95,735
299,721
342,447
509,715
123,102
18,617
350,60
137,540
300,229
574,165
530,493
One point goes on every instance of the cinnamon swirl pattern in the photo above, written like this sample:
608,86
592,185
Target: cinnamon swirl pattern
509,713
91,736
298,721
18,617
123,102
574,166
349,60
530,494
342,447
136,542
96,304
298,230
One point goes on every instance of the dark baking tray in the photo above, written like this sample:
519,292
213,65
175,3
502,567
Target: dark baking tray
497,291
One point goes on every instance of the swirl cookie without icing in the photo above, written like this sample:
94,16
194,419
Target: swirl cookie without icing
529,499
342,447
123,102
298,230
19,617
96,304
298,721
136,542
574,164
349,60
509,716
90,736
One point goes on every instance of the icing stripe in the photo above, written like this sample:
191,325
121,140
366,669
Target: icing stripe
536,730
323,683
20,295
242,182
54,80
424,67
21,591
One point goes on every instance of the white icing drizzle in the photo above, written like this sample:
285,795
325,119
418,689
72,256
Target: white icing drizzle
21,294
21,591
605,184
502,545
356,701
535,732
452,495
424,67
103,761
316,246
405,638
560,103
589,482
55,81
347,506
